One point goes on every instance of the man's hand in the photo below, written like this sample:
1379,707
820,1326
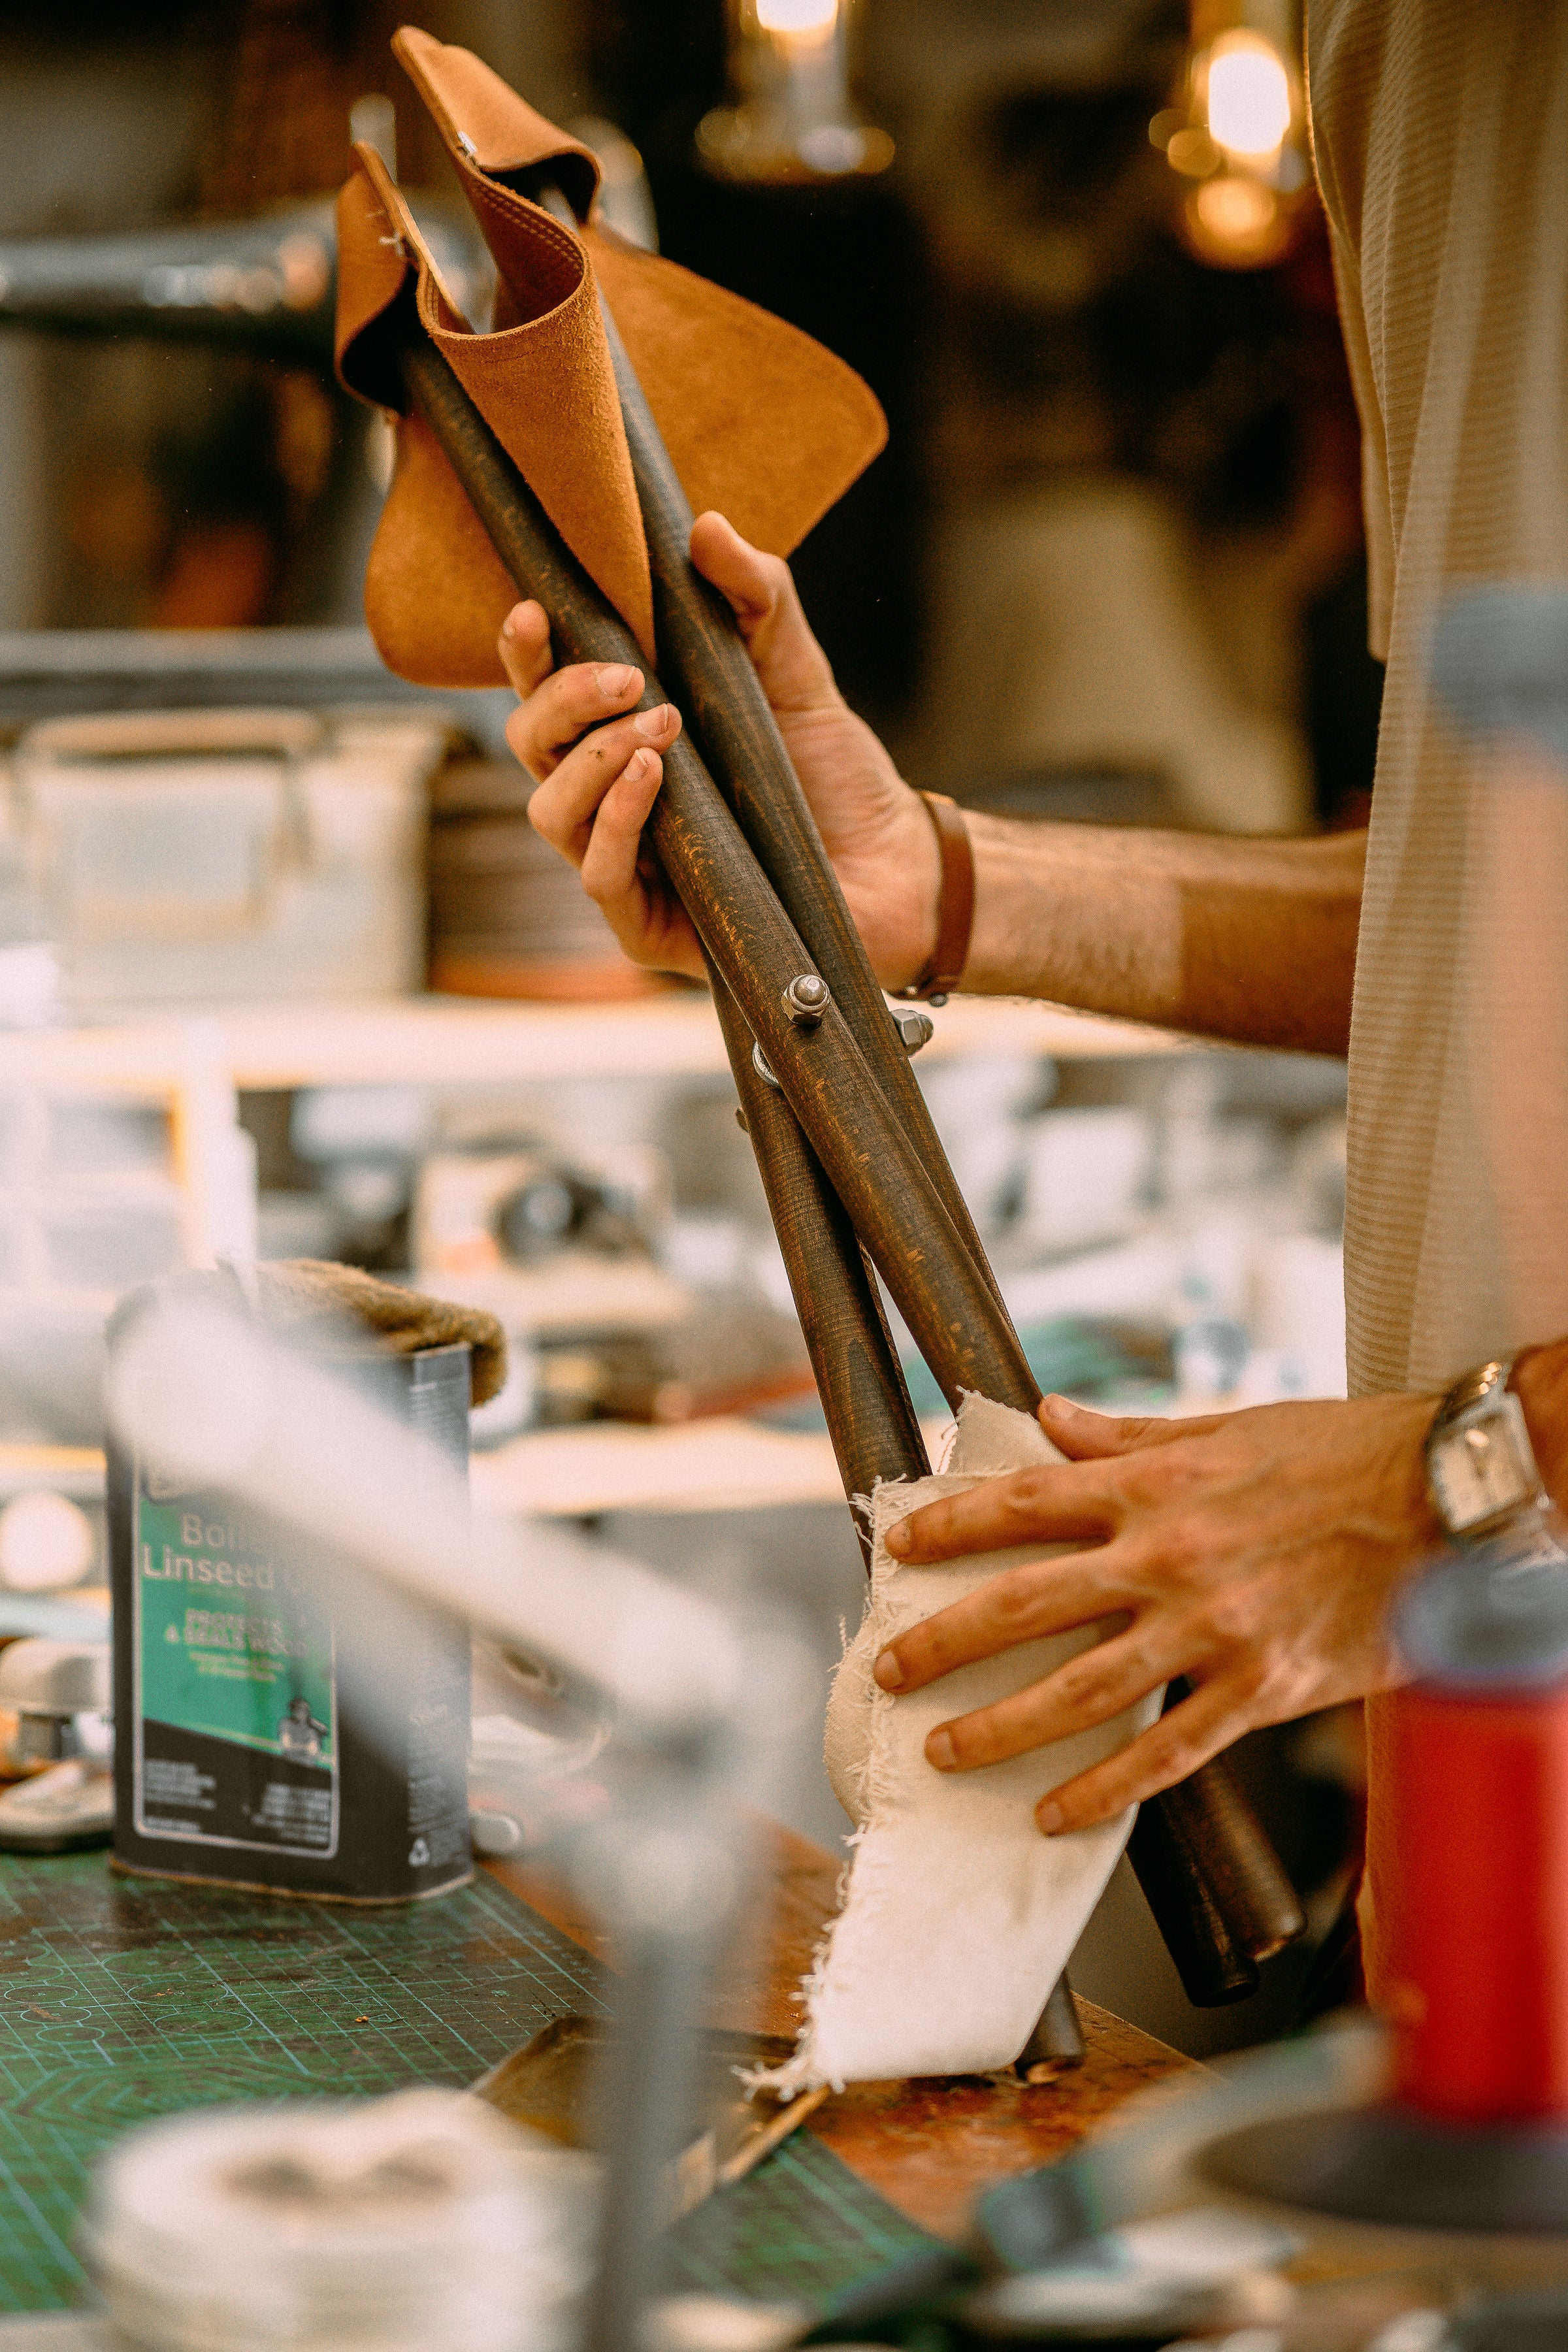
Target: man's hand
600,765
1255,1552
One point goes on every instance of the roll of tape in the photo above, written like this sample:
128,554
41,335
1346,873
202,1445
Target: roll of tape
406,2224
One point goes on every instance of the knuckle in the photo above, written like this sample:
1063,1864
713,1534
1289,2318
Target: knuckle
1278,1684
1013,1603
1230,1616
541,817
928,1530
520,739
1175,1757
1089,1681
1021,1496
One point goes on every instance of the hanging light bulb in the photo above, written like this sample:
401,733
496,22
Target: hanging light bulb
792,118
1236,134
798,19
1248,98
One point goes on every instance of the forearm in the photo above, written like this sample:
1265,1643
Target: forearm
1248,941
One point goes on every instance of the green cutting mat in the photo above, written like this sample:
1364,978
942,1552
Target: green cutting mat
121,1999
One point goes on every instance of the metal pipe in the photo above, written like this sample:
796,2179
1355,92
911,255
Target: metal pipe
958,1323
869,1417
878,1173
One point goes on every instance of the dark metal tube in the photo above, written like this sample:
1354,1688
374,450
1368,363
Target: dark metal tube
958,1322
874,1166
702,649
1211,1821
869,1417
1213,1968
1058,2038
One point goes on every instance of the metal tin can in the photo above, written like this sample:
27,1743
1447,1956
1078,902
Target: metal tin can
268,1733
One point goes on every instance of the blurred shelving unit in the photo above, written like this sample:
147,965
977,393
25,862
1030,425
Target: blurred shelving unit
451,1041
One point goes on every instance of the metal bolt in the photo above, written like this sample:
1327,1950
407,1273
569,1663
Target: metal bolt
807,998
915,1029
764,1068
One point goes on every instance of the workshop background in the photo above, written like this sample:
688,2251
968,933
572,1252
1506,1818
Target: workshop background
282,967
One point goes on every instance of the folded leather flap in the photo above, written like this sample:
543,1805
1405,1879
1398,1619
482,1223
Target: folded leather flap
545,387
481,118
760,422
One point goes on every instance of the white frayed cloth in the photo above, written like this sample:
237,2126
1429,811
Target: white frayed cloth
958,1915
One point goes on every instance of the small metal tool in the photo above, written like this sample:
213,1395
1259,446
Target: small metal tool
550,2085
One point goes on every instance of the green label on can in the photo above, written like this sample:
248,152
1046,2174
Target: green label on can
237,1733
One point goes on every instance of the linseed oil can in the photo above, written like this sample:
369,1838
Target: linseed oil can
246,1662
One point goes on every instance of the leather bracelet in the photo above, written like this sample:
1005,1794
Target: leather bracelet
954,902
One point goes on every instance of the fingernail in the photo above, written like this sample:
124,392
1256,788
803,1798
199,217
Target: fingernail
897,1536
614,680
888,1672
638,765
1059,1404
1048,1818
940,1751
654,723
508,626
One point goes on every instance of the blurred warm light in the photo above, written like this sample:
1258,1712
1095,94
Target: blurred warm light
1235,210
1234,129
798,19
1248,96
1192,153
790,115
1237,222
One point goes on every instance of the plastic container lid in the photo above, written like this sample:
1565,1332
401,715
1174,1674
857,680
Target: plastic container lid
1493,1619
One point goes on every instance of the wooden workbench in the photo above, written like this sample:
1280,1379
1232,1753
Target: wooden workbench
929,2147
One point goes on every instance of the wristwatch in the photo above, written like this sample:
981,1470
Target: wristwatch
1481,1471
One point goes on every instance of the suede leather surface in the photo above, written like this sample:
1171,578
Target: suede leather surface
760,421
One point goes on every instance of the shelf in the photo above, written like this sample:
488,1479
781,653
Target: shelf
454,1041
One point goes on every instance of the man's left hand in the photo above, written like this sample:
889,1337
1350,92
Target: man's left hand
1255,1552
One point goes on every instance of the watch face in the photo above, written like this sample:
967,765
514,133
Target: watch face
1483,1469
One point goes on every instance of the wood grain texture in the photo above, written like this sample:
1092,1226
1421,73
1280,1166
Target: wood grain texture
930,2146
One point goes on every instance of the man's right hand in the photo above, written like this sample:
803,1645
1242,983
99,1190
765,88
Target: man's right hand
599,763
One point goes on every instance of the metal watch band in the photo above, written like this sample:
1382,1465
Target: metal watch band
954,904
1479,1439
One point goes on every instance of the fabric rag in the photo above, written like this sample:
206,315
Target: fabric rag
302,1296
958,1916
